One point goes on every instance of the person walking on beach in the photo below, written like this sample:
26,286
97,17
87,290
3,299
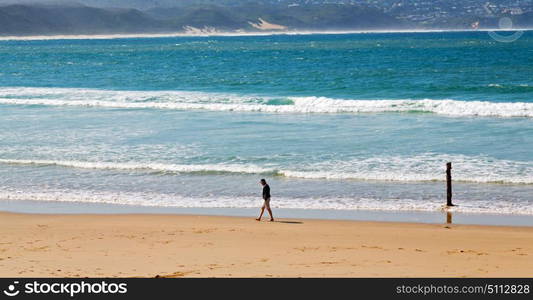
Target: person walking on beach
266,197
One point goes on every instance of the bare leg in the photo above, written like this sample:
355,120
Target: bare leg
261,215
267,204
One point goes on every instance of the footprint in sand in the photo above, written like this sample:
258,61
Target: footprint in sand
458,251
303,249
207,230
335,249
329,262
43,248
517,249
371,247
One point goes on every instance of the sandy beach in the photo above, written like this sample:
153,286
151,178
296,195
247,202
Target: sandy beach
34,245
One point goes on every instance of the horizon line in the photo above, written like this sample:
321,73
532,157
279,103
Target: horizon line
237,34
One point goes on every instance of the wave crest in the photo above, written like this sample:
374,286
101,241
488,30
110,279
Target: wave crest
421,168
173,200
183,100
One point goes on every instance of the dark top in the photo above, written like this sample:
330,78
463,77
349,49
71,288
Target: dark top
266,192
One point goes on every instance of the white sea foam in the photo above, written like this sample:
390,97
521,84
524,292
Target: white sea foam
201,33
185,100
420,168
172,200
157,167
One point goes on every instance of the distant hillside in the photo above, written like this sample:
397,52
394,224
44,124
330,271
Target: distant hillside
524,21
316,17
52,17
45,20
27,19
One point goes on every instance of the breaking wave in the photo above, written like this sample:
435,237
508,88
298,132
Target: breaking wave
420,168
149,199
184,100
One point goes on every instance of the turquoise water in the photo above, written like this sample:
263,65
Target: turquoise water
336,122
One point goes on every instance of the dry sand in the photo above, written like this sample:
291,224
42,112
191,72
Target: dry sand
202,246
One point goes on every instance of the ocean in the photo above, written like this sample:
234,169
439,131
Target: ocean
334,122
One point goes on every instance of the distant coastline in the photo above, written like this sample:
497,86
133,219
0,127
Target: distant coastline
236,34
43,19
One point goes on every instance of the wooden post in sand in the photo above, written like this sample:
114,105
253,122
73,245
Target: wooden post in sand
449,184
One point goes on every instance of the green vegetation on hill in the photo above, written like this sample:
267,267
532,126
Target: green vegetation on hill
163,16
36,20
78,19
